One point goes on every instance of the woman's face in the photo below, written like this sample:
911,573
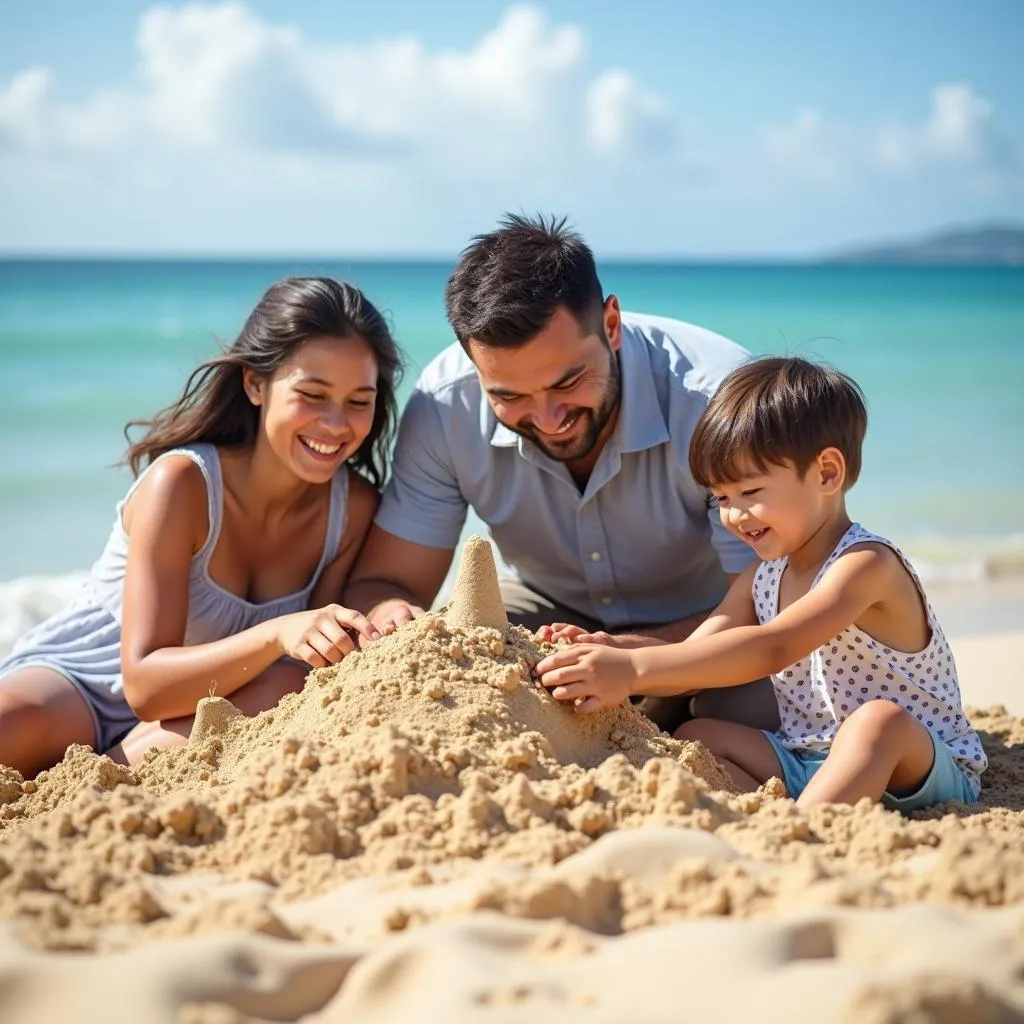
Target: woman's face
317,408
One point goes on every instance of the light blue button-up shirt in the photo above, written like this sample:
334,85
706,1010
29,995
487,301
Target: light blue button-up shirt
638,546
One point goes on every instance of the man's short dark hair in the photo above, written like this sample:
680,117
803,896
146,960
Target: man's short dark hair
508,284
775,410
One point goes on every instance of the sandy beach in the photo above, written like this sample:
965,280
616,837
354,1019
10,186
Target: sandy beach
422,834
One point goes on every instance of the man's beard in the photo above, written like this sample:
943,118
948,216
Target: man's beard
594,421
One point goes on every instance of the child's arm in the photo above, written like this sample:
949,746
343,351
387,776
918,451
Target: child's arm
598,677
735,610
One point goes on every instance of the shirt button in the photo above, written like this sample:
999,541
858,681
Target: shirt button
595,556
606,600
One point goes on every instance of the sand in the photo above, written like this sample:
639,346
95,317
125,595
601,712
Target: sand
422,832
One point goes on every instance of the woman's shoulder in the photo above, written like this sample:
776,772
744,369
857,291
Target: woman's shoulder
174,485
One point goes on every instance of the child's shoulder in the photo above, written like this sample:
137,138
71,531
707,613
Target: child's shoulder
867,560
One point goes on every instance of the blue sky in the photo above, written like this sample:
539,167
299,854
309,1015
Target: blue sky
660,127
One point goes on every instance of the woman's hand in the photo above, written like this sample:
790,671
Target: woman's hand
593,676
323,636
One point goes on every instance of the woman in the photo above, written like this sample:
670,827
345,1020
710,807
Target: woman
225,554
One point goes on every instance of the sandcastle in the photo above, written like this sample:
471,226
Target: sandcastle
212,716
476,600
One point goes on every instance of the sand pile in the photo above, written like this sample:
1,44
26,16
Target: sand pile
431,746
427,778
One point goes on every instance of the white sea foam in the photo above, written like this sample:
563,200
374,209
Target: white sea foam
30,599
966,559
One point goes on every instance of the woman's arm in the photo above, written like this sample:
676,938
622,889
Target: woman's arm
167,523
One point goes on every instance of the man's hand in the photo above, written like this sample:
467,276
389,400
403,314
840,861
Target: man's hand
391,614
578,635
574,634
593,676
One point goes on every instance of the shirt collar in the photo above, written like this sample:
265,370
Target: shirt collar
501,436
641,419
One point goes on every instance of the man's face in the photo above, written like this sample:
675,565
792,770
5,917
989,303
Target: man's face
559,390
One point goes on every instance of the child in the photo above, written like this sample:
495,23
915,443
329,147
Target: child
228,548
867,688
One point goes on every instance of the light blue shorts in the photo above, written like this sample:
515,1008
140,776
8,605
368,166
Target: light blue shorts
946,781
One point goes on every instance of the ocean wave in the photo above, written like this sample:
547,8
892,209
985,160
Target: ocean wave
30,599
966,559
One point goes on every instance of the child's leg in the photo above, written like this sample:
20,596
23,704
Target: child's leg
745,752
262,693
879,747
41,715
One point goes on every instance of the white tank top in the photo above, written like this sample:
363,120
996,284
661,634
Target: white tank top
819,692
214,612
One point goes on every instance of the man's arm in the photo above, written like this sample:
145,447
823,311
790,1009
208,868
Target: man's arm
409,549
701,624
394,580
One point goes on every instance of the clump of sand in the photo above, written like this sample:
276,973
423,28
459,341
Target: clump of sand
432,763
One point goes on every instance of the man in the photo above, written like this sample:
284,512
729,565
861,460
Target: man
565,425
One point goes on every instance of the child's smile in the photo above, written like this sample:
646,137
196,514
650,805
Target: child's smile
775,510
754,536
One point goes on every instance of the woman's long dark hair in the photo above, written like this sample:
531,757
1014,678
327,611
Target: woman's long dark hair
213,406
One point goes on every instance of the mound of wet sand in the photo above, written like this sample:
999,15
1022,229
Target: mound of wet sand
425,784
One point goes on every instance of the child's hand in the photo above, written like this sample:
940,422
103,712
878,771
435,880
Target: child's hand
593,676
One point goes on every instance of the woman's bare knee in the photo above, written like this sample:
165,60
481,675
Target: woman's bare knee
146,736
41,715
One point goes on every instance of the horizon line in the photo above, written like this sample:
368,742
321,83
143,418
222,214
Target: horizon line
639,259
364,257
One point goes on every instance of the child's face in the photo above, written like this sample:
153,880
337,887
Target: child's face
776,511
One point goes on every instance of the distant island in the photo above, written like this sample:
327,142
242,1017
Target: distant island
997,244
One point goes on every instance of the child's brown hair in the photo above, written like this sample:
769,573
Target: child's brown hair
778,409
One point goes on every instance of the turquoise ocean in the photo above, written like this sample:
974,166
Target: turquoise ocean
85,345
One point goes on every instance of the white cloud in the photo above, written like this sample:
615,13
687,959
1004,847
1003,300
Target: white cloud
959,123
382,142
808,148
625,119
217,76
236,133
958,131
23,104
957,135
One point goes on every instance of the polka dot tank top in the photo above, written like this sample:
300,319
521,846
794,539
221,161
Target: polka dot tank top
819,692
